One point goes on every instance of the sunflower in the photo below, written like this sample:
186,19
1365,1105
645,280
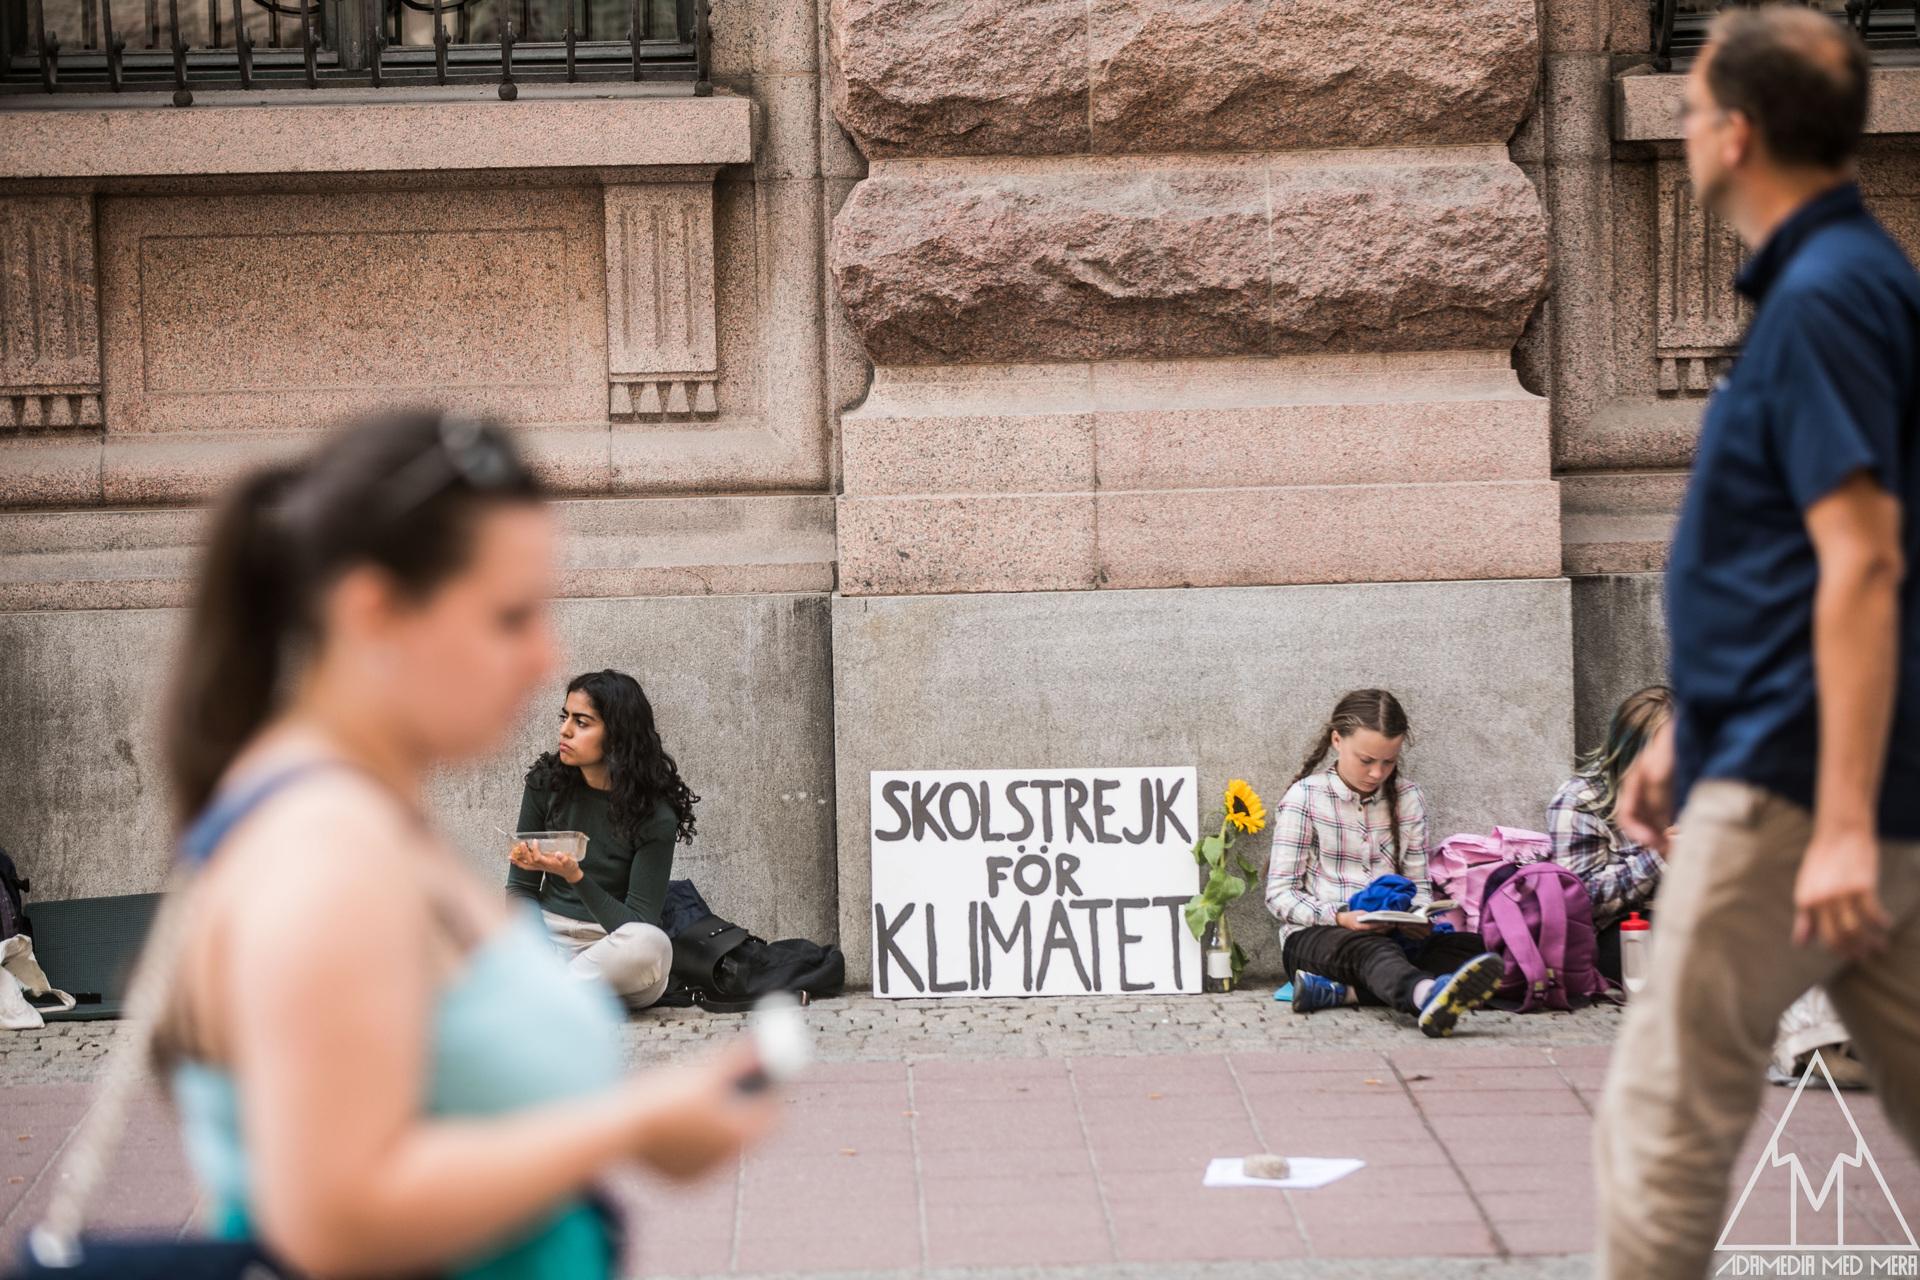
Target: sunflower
1244,809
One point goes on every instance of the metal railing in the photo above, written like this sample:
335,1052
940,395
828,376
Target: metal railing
1680,26
94,46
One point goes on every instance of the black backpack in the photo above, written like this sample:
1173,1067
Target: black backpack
13,900
720,967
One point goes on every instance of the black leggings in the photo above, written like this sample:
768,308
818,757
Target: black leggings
1374,963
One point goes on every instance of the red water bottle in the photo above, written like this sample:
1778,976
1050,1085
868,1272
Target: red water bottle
1634,944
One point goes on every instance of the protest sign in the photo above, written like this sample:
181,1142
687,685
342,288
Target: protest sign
1015,882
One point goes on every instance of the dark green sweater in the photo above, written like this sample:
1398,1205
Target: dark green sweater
624,880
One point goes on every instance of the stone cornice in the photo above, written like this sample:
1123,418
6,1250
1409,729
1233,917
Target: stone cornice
289,131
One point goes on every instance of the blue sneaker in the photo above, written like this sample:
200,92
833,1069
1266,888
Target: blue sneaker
1312,993
1462,991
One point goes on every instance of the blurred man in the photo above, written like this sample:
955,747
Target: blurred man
1796,746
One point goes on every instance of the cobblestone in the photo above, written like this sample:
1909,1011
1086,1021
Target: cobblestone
860,1028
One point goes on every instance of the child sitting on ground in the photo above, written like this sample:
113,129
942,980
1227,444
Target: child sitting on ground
1337,831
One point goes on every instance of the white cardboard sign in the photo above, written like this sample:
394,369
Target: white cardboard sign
1020,882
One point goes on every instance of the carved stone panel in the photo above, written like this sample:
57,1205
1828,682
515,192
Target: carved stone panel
286,311
661,362
1701,315
49,320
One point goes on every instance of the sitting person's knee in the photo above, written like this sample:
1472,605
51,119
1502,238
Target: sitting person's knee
644,944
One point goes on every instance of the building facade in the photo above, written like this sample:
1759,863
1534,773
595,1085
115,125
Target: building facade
930,383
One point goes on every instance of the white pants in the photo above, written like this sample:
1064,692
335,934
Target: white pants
635,959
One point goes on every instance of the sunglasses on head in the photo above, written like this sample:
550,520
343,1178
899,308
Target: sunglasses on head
463,451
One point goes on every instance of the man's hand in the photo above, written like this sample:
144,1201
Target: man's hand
1351,920
1645,808
1836,898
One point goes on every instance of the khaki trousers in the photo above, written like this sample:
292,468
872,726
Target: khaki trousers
635,960
1689,1068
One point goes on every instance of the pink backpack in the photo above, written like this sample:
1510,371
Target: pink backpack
1539,919
1460,866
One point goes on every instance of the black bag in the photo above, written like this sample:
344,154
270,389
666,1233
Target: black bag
159,1260
13,900
719,966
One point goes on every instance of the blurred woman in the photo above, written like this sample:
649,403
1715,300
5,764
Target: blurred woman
610,779
379,1068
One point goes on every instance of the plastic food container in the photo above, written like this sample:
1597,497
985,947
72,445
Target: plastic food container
570,842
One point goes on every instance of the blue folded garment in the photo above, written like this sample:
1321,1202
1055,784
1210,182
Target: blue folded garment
1386,893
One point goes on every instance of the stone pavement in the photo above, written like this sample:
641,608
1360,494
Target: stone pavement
1066,1140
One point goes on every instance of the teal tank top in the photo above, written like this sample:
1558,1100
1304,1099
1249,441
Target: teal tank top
513,1029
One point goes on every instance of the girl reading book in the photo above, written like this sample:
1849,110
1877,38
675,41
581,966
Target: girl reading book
1342,827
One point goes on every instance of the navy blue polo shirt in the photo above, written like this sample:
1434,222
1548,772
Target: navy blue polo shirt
1827,385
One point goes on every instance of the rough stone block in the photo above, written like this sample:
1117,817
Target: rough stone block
931,77
1405,257
1125,260
1062,266
1235,682
1249,75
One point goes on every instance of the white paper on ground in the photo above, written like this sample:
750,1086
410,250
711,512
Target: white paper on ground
1304,1173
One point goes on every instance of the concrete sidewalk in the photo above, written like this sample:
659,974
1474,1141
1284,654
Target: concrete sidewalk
1086,1165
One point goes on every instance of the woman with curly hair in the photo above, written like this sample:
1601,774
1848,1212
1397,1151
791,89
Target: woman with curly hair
610,778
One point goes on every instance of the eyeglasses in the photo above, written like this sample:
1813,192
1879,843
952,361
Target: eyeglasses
463,451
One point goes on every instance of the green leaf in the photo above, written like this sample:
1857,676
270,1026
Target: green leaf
1233,888
1214,849
1199,914
1239,959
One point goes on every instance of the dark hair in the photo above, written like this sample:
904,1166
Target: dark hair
1634,721
642,773
1799,76
1374,709
403,492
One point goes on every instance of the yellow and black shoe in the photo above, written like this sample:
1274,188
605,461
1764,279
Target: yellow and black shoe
1462,991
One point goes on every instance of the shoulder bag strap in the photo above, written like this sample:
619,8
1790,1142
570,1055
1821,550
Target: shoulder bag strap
55,1242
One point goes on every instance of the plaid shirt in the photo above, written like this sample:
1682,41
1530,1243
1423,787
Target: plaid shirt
1330,842
1620,875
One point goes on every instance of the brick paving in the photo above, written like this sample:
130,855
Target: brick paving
1064,1140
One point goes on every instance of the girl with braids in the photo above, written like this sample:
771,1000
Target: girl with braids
379,1068
1342,826
609,777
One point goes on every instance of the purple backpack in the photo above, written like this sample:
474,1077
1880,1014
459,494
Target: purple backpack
1539,919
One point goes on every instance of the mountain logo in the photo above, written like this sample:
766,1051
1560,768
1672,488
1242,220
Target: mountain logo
1816,1195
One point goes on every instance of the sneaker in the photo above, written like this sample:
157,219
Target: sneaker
1462,991
1312,993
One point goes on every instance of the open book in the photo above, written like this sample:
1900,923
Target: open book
1419,916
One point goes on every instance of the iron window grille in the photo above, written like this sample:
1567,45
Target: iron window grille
1680,26
94,46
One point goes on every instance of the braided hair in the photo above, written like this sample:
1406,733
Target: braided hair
1374,709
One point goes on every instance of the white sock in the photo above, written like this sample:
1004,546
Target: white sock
1421,990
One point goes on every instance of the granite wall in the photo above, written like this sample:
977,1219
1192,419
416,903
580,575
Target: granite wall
1096,381
1141,275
